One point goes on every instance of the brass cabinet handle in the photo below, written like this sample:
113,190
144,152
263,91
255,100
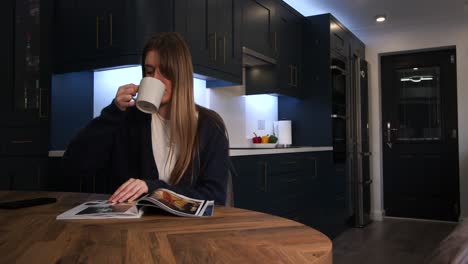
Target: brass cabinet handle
265,177
41,115
97,32
40,103
215,46
290,81
295,75
111,30
21,141
276,49
39,171
314,159
224,49
291,180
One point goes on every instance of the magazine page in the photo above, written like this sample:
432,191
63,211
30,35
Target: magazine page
102,209
177,204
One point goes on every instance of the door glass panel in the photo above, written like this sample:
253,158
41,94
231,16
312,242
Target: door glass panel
27,43
419,104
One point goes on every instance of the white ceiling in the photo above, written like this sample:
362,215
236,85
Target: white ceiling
359,15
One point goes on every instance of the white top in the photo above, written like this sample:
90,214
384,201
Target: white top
160,132
260,151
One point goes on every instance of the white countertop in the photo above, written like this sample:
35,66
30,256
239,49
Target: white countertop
243,151
268,151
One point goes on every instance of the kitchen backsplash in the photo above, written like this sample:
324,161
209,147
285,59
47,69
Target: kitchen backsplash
242,114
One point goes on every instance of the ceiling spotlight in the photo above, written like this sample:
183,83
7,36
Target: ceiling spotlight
380,18
415,69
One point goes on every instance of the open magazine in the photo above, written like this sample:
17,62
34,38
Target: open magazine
161,198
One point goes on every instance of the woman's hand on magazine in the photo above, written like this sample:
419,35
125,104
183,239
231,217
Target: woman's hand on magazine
129,191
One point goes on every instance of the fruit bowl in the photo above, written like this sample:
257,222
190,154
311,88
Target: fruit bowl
264,145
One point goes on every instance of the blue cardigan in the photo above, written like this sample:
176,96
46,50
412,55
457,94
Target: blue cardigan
117,145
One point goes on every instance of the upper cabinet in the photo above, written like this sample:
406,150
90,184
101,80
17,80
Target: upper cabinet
282,38
25,62
257,32
288,39
211,31
108,33
329,50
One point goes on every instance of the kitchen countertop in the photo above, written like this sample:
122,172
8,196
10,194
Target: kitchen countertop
245,151
268,151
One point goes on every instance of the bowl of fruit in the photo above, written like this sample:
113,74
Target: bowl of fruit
267,141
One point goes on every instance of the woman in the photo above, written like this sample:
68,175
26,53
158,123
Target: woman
183,147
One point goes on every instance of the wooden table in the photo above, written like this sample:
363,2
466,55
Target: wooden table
32,235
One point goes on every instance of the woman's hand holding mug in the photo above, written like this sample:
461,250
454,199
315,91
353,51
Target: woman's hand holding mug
124,96
150,93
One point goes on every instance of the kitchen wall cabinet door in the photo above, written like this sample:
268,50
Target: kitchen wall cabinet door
209,27
285,44
339,39
250,183
288,39
25,63
102,34
256,26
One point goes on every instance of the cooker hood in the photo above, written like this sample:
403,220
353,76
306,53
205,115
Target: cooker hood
251,58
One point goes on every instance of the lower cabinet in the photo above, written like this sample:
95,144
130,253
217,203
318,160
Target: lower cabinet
22,173
297,186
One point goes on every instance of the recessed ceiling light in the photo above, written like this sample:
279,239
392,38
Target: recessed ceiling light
380,18
415,69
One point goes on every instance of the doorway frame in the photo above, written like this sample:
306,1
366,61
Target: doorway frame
382,214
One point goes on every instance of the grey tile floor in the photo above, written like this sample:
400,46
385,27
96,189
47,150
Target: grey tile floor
389,241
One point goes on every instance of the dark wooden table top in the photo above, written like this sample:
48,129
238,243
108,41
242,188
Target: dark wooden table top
232,235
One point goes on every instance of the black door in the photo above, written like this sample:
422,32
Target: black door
420,145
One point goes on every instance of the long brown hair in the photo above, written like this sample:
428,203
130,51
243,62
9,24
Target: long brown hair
176,66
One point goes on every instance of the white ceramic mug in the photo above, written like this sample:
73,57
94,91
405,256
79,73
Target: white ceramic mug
150,94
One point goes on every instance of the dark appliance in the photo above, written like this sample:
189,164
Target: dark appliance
350,135
358,138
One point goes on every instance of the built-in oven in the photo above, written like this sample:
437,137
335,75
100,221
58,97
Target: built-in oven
338,70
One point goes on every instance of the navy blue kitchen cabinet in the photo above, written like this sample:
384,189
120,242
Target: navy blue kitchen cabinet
24,114
257,31
211,29
325,114
289,46
298,186
104,34
23,173
285,46
328,48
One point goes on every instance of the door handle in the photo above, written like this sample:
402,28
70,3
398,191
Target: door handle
389,132
389,135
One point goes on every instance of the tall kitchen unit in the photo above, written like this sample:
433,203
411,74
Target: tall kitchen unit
333,112
358,146
26,80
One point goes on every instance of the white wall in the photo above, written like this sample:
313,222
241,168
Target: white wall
415,38
240,113
106,84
